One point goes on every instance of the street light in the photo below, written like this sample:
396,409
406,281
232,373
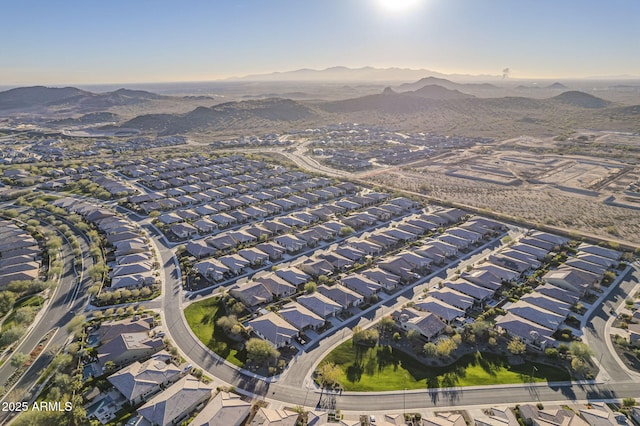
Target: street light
533,370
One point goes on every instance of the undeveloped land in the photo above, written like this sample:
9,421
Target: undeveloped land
534,203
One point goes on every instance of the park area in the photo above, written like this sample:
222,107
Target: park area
202,317
383,368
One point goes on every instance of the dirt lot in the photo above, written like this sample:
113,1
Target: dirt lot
540,204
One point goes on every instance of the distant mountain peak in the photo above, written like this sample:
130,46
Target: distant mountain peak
388,91
580,99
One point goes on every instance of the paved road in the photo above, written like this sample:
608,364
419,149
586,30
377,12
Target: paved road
68,299
596,332
295,388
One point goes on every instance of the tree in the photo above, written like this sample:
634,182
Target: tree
230,324
109,366
628,402
365,337
7,299
445,347
75,323
329,374
551,353
310,287
516,346
413,336
260,350
19,359
580,350
386,324
430,349
579,366
346,230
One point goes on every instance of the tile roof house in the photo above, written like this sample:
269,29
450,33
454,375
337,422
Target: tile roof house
320,304
533,416
386,279
111,329
600,251
176,403
226,409
427,324
444,311
361,284
274,329
269,417
531,333
574,280
278,286
128,347
138,382
342,295
252,294
300,316
453,298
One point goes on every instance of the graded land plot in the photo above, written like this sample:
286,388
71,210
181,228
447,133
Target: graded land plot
540,204
382,368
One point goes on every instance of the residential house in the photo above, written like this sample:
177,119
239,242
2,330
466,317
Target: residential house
600,251
301,317
199,249
252,294
534,416
444,418
361,284
212,269
574,280
528,331
226,409
279,287
536,314
175,404
270,417
274,329
444,311
320,304
293,275
254,256
128,347
386,279
272,249
111,329
139,381
480,294
427,324
453,298
291,243
342,295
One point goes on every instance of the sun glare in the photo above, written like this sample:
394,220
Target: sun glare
398,5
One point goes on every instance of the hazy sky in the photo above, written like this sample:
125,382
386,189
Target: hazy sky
119,41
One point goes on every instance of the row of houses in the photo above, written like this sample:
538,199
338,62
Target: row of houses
134,264
537,316
20,254
350,290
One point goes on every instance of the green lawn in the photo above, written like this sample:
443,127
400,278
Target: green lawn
201,317
383,368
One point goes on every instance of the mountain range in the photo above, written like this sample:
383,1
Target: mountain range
429,103
40,96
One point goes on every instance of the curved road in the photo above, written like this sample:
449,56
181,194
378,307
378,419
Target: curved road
295,390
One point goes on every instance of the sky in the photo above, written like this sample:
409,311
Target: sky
134,41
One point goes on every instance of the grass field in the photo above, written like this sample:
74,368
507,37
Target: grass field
382,368
201,317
